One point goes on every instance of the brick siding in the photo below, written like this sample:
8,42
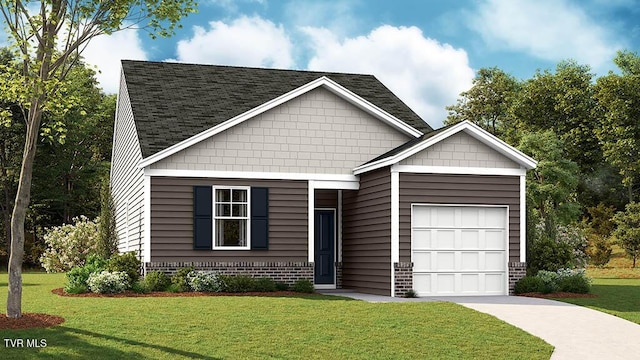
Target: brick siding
403,278
517,270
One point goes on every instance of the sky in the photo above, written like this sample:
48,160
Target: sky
425,51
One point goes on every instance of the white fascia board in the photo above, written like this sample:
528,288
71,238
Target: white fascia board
473,130
331,181
311,216
523,218
323,81
147,219
458,170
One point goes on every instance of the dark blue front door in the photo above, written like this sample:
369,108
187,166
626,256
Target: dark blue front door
324,247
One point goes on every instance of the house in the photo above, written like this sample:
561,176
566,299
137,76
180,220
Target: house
321,176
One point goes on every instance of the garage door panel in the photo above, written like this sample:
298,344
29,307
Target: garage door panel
421,239
470,239
443,239
494,260
445,261
470,283
422,260
494,239
459,250
470,261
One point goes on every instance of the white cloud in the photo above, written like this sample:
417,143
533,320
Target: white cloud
548,29
422,72
106,51
246,41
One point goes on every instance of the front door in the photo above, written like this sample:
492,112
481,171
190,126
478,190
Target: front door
324,246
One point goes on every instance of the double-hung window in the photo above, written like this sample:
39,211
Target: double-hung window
231,220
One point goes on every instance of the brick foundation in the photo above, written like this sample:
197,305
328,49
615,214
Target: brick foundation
517,270
338,275
403,278
286,272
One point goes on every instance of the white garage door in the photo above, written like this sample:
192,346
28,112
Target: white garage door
459,250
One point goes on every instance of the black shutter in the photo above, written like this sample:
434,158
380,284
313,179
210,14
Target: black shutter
259,218
202,218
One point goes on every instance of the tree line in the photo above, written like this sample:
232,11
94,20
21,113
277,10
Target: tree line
584,131
71,165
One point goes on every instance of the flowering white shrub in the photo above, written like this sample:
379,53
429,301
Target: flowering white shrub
70,244
107,282
577,240
204,281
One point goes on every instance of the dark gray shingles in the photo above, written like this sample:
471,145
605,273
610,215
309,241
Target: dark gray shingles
172,102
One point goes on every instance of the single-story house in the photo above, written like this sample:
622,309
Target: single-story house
311,175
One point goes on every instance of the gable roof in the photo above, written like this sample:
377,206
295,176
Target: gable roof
414,146
173,102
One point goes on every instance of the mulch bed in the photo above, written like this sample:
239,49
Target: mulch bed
60,291
558,295
29,321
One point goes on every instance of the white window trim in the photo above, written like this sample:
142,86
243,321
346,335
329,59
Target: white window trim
214,217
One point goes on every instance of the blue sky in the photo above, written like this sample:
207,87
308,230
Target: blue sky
425,51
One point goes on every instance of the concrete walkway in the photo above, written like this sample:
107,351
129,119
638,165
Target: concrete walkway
575,331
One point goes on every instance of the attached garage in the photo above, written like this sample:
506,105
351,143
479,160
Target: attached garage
459,250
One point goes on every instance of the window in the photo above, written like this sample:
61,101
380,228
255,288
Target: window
231,218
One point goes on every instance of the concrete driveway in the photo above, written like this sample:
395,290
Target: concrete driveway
575,331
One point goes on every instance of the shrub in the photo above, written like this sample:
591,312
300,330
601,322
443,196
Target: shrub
69,245
627,230
265,285
411,294
280,286
78,276
528,284
156,281
107,282
599,251
140,287
173,288
180,281
575,284
238,284
549,280
552,247
128,263
203,281
303,286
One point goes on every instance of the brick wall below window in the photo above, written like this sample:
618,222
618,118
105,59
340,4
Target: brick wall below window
286,272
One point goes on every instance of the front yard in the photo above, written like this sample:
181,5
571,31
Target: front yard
311,327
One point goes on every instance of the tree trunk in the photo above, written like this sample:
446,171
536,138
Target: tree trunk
23,196
7,197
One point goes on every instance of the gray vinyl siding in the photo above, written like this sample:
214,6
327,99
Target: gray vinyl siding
460,150
366,239
463,190
127,181
326,199
317,132
172,221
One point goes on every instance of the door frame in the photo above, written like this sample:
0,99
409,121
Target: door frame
335,248
506,239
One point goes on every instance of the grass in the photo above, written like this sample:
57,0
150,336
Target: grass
619,297
311,327
619,267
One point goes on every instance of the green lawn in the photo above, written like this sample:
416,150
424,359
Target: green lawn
619,297
261,328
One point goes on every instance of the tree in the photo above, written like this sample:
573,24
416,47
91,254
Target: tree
627,230
551,187
107,240
562,101
619,98
49,42
487,103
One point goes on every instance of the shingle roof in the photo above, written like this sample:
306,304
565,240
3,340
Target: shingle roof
172,102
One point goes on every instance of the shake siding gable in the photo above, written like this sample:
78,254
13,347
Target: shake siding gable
460,150
127,180
317,132
172,222
366,239
459,190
